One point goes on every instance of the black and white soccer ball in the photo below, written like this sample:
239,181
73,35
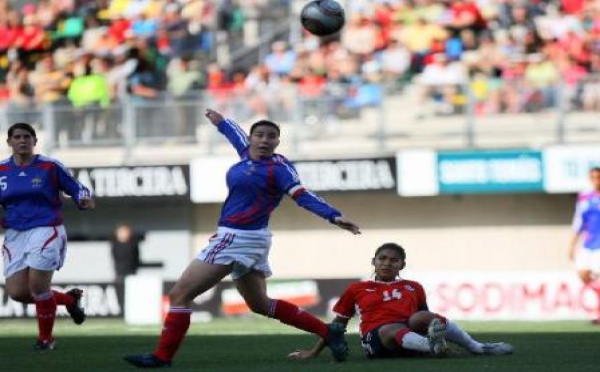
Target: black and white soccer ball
323,17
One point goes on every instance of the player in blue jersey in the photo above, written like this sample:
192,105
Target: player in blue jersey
585,242
241,244
35,238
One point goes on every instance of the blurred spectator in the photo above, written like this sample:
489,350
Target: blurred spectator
51,83
184,79
541,76
125,251
360,36
281,59
395,62
441,83
21,90
176,29
89,89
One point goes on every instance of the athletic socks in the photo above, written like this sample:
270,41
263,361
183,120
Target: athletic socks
457,335
291,314
410,340
174,329
45,306
63,299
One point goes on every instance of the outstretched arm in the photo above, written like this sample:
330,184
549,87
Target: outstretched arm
314,203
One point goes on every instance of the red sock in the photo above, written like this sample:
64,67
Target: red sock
63,299
595,285
174,329
45,306
291,314
399,336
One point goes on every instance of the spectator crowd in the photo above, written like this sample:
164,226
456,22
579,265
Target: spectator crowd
511,55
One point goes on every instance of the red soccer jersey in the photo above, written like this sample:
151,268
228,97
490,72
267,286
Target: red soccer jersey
378,303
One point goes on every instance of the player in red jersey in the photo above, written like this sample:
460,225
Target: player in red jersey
394,316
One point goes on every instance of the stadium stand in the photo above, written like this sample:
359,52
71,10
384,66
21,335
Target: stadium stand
123,75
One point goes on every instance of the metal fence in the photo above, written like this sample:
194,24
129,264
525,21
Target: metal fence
336,118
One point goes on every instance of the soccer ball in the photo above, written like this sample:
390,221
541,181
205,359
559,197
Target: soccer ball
322,17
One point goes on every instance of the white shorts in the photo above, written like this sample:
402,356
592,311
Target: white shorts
247,250
41,248
587,259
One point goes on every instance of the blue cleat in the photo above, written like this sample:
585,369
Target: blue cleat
42,346
337,342
146,361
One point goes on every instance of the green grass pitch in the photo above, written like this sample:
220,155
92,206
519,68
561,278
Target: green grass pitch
256,344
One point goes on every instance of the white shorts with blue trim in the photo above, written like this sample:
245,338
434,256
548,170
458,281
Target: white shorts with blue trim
587,259
246,250
41,248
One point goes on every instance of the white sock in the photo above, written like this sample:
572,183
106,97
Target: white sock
414,341
457,335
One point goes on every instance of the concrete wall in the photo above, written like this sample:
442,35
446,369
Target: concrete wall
520,232
526,232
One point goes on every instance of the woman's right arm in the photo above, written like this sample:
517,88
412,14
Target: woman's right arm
230,129
317,348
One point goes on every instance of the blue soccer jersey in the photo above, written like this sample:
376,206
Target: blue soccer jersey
587,218
30,194
257,186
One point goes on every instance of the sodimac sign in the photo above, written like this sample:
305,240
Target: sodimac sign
509,296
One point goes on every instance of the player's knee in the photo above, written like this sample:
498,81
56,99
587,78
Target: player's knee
586,277
19,295
178,298
259,307
420,320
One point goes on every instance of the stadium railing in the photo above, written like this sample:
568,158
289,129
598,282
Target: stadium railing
332,120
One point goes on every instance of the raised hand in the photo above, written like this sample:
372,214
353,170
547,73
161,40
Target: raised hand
214,116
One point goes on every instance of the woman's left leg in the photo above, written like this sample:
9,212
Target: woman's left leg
253,288
45,305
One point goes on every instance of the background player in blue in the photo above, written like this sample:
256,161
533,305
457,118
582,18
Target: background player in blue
35,238
585,242
241,244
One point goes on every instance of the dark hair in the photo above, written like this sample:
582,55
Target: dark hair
265,123
23,126
393,246
594,169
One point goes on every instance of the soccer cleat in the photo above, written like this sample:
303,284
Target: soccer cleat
42,346
436,334
146,361
76,311
337,342
496,348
